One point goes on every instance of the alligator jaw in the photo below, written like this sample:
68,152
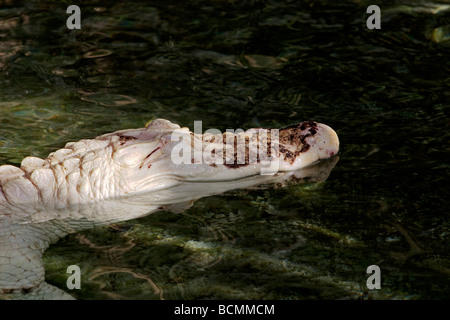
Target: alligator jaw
162,155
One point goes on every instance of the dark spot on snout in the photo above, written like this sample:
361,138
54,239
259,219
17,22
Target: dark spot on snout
295,136
123,139
303,126
234,165
308,124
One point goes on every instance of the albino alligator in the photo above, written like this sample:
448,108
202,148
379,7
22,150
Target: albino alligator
129,174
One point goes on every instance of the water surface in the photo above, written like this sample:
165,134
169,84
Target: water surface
243,64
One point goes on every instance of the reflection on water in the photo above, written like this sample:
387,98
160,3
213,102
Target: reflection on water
248,64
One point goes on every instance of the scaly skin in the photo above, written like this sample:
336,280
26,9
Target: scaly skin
129,174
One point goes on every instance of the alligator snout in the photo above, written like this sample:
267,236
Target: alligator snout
305,143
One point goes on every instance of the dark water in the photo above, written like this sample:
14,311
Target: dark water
242,64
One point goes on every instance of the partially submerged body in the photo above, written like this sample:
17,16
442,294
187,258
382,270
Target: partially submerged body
131,173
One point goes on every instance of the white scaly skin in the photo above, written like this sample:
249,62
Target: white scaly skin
125,175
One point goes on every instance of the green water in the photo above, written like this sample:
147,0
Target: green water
242,64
